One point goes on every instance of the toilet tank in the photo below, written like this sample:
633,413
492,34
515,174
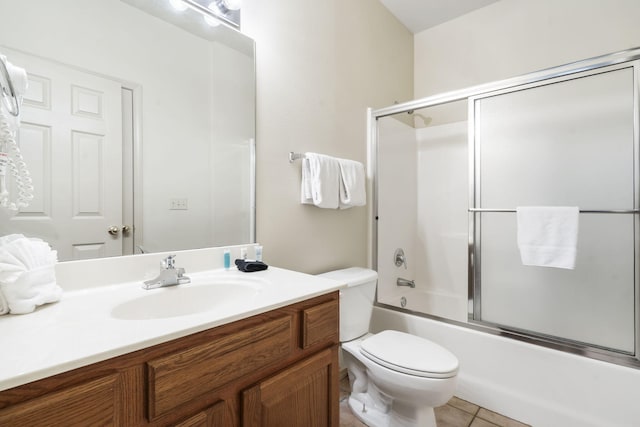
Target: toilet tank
356,301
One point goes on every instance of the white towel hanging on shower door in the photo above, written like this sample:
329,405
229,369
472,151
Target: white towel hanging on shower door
548,235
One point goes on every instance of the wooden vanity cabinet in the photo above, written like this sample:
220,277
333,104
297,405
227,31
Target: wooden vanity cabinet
279,368
93,402
297,396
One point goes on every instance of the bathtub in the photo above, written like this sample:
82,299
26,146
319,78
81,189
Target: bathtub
533,384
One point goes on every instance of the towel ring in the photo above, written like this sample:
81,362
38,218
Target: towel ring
9,98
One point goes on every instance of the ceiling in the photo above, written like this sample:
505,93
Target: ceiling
418,15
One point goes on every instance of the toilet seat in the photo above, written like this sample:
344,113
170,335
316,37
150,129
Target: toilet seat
410,354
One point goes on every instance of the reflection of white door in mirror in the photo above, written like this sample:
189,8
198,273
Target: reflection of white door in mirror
193,90
71,138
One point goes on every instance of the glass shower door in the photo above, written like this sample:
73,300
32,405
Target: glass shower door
566,141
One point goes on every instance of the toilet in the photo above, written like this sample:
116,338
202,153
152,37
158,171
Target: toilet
396,378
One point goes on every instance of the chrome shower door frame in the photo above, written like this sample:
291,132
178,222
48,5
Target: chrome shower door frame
580,70
561,72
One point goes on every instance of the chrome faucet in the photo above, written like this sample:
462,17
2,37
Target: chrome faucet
405,282
169,275
399,258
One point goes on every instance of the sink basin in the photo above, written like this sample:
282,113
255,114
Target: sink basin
188,299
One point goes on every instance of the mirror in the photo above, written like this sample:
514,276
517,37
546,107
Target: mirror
138,127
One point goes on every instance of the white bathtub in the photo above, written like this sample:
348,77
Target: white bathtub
533,384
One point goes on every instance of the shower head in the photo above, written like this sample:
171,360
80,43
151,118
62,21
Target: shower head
426,121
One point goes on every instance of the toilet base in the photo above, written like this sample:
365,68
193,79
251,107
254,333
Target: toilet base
364,409
371,416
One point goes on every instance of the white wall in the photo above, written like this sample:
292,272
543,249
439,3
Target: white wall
319,66
513,37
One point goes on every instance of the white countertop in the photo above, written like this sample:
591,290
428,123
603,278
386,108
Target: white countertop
82,328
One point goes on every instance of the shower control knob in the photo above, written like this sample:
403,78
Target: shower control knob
399,258
113,230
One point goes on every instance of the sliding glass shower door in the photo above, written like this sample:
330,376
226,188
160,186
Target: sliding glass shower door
564,141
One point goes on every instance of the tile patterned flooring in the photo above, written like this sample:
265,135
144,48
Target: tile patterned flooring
456,413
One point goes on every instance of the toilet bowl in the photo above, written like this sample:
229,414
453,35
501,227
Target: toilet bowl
396,378
410,376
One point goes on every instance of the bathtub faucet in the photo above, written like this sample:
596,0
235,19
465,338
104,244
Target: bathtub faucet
405,282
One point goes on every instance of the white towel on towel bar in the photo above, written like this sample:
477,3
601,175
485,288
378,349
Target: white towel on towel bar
320,181
548,235
352,184
306,190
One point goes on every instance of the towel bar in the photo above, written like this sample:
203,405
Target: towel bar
295,156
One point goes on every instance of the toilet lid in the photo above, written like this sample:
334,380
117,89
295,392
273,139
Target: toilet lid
410,354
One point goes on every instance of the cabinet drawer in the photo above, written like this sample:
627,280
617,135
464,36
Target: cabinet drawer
320,323
89,404
185,375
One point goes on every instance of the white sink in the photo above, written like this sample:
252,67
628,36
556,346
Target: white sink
192,298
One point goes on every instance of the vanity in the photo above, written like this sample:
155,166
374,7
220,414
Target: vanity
262,352
228,348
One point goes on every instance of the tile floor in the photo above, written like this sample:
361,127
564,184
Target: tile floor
456,413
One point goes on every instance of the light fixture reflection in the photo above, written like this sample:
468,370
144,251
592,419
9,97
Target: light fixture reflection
225,7
178,5
211,20
217,12
232,4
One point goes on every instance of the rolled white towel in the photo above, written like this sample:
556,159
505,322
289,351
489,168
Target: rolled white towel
4,305
27,273
31,289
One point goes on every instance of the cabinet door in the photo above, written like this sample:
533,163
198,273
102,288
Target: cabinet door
320,324
186,375
91,404
304,395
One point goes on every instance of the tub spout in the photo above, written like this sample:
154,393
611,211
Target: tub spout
405,282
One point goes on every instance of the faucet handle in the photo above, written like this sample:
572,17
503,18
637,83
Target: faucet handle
399,258
169,262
